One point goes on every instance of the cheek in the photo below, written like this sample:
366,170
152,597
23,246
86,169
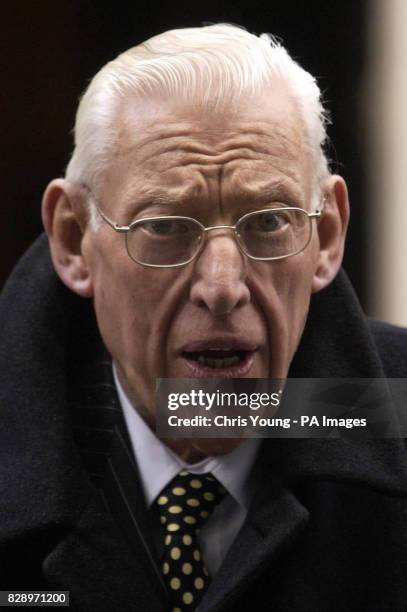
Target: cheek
125,305
133,305
124,300
295,297
284,291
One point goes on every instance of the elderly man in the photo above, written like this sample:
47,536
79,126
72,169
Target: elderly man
198,233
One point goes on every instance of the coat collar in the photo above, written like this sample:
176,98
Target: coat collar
337,343
40,467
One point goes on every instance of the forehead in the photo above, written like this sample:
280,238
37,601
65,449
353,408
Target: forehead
172,150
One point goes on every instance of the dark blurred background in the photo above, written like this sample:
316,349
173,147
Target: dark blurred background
50,50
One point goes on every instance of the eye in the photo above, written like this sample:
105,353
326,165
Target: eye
269,221
162,227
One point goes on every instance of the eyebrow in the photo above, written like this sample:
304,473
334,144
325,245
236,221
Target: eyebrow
275,191
157,196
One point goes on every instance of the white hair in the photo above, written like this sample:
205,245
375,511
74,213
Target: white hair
213,64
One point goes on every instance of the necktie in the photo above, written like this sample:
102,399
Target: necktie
184,506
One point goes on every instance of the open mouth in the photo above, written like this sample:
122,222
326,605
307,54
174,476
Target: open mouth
217,358
222,362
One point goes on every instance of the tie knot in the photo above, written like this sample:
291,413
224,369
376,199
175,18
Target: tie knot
188,501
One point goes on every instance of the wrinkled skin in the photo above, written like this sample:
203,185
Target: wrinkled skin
214,166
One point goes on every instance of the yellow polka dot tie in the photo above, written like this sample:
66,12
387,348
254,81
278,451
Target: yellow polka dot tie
184,506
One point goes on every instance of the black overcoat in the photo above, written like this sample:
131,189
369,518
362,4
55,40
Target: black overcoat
326,532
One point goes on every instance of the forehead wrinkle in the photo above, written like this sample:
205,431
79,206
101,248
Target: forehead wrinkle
271,191
128,140
175,158
150,192
178,135
242,145
246,182
274,168
176,144
279,143
180,144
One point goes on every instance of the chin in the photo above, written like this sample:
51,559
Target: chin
217,446
197,449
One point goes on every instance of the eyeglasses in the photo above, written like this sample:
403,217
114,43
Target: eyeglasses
262,235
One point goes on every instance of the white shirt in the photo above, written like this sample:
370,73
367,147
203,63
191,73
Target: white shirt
158,465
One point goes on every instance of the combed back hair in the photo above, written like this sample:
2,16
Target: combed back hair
213,64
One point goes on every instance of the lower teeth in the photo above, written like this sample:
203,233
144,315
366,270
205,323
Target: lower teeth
218,363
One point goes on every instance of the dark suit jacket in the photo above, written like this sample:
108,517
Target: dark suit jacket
326,531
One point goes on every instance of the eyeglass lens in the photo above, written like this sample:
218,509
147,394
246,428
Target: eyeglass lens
164,241
265,234
275,234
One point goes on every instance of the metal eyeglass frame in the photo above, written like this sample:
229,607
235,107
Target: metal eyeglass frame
125,229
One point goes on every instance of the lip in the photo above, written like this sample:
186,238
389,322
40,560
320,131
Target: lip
219,343
239,370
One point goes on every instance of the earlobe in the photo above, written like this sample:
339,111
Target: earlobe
64,219
331,232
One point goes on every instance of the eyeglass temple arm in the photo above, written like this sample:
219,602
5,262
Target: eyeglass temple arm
117,228
318,212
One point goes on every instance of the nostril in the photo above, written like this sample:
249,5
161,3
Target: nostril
220,298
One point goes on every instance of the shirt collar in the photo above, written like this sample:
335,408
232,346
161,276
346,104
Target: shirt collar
158,464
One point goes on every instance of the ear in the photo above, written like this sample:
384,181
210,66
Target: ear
64,217
332,228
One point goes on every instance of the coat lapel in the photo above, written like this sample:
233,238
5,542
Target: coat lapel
277,516
94,562
124,498
274,521
122,531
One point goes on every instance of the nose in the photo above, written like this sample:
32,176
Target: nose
220,274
